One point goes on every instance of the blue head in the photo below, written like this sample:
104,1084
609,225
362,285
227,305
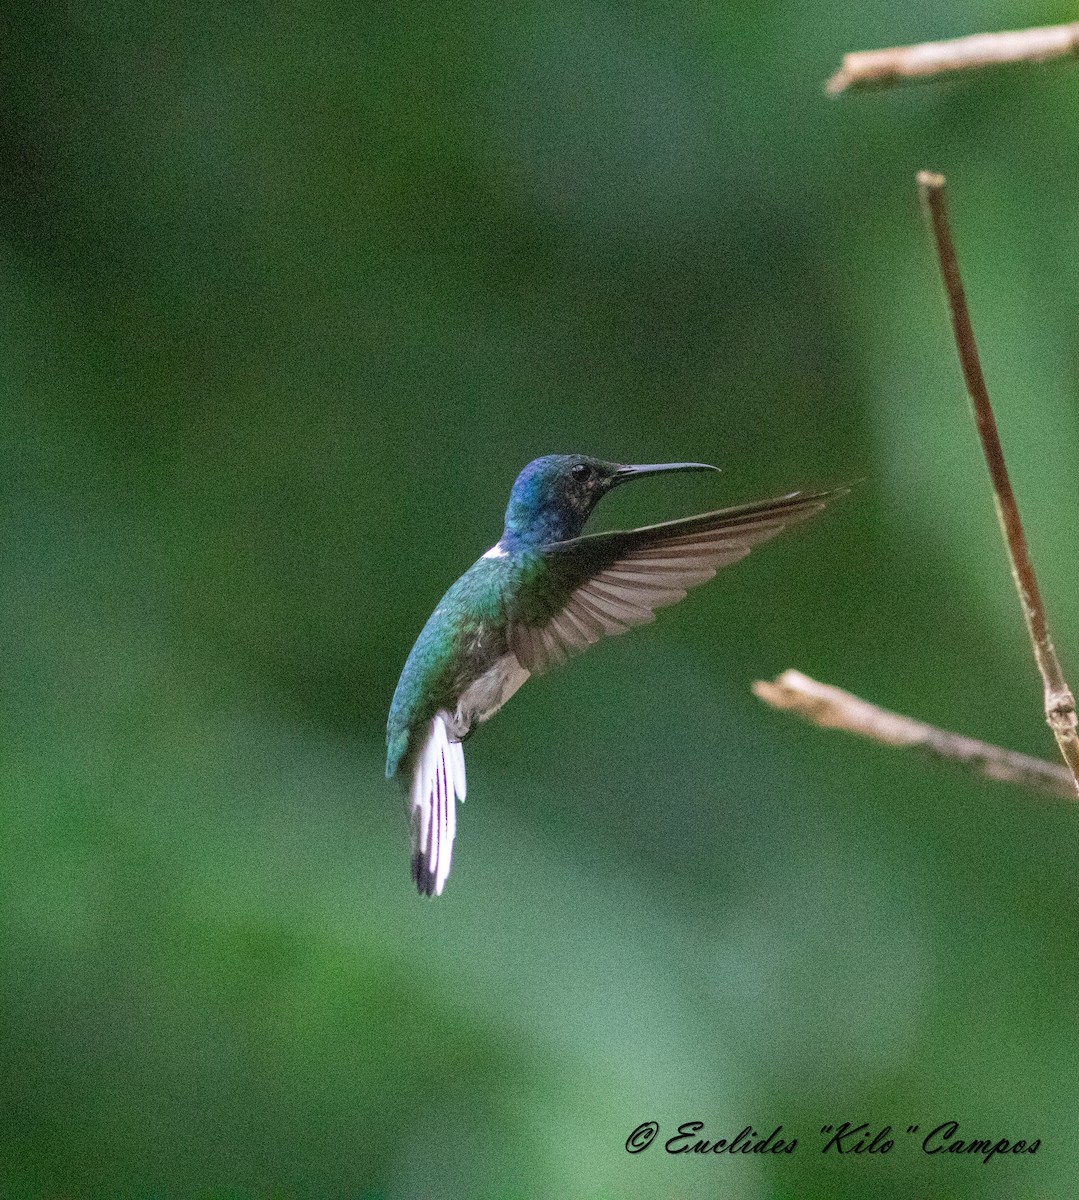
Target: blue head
554,495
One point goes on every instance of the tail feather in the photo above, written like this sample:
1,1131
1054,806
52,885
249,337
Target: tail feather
438,782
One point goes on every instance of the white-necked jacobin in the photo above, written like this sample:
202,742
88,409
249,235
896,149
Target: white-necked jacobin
542,592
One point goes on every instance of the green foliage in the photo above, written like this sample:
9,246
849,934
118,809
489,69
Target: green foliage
289,295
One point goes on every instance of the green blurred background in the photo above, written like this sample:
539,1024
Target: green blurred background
290,292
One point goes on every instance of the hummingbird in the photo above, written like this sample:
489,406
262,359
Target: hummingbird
542,592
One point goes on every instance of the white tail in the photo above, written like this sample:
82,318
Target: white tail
438,782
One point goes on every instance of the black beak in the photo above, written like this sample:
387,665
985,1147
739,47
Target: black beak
638,472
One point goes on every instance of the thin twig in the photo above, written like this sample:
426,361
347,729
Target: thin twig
1059,701
868,67
831,708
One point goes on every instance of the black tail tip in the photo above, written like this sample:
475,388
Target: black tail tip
422,876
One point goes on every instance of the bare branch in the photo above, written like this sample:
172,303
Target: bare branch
831,708
1059,701
934,58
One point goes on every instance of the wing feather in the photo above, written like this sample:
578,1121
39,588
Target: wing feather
569,631
617,580
581,604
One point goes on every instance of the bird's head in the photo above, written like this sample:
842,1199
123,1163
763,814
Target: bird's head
554,495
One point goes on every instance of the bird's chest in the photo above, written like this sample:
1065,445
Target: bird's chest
485,672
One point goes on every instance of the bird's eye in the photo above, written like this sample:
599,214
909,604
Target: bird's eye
581,472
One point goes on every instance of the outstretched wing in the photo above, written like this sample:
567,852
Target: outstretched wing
617,580
438,782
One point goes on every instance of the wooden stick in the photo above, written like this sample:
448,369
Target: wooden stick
890,66
1059,701
831,708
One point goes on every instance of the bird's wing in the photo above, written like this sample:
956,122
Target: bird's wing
438,782
617,580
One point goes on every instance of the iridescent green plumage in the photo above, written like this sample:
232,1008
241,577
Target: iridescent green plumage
461,640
